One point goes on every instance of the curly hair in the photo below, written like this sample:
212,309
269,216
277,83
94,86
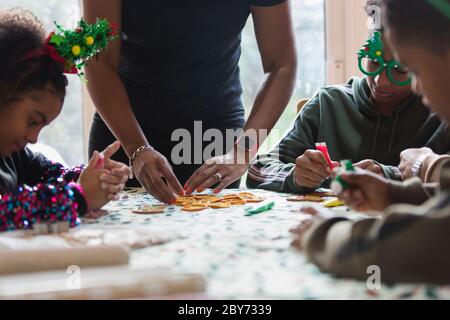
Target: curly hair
21,32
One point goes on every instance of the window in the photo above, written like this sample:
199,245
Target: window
309,25
65,134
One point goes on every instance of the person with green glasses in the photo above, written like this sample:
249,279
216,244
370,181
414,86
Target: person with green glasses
369,120
406,236
376,63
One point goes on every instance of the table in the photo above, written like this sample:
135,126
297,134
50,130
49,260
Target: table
244,257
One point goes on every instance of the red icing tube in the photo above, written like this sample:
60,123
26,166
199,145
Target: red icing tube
322,147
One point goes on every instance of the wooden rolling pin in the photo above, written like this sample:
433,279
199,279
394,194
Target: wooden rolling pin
118,282
24,261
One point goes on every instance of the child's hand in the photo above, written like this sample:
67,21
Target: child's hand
299,231
368,191
371,166
408,159
318,213
89,180
314,214
114,181
311,169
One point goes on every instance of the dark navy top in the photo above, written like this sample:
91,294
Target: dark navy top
179,60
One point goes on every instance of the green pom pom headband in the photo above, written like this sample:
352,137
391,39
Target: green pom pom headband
74,48
373,50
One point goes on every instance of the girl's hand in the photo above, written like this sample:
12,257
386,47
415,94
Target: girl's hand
118,173
89,180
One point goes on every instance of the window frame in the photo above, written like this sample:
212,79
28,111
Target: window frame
345,32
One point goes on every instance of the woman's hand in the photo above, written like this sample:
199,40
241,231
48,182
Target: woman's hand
221,170
155,174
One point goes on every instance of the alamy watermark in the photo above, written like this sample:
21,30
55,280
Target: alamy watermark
198,146
73,281
374,21
374,280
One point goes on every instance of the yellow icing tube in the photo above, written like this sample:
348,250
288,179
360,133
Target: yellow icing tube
334,202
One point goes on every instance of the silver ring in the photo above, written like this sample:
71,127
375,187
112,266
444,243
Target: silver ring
218,176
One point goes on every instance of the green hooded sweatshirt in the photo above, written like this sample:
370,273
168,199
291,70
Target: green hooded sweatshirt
344,117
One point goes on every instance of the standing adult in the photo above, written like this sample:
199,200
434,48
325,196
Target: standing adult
176,62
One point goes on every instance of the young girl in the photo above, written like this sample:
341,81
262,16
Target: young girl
34,189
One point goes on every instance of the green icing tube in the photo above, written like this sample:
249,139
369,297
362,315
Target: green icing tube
261,209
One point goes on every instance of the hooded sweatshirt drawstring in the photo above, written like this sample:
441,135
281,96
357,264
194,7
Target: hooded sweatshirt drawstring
394,128
375,138
377,132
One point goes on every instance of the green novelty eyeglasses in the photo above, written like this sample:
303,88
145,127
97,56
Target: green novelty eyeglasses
371,62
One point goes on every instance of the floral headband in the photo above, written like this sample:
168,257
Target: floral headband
74,48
